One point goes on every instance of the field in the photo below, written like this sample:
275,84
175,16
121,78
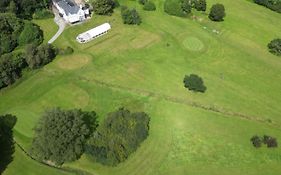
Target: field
142,68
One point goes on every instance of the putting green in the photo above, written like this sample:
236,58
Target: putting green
193,44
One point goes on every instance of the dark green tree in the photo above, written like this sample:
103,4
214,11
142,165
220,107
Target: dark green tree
130,16
142,2
194,83
7,149
37,57
31,34
103,7
60,135
256,141
10,29
10,68
179,8
274,47
217,12
149,6
186,6
119,135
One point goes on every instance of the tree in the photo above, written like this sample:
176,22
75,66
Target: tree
130,16
217,12
103,7
149,6
200,5
274,47
10,29
179,8
31,34
119,135
12,8
60,134
7,122
271,142
10,68
256,141
142,2
194,83
37,57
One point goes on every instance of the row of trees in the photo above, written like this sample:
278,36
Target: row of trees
274,5
63,135
182,8
11,65
23,8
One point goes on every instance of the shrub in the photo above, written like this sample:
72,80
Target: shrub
119,135
217,12
60,134
43,14
275,47
103,7
149,6
66,51
130,16
256,141
31,34
194,83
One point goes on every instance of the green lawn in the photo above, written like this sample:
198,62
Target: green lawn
142,68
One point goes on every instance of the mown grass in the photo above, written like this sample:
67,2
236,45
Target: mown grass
142,68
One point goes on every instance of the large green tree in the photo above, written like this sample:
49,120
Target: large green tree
118,136
217,12
103,7
7,122
275,47
194,83
60,135
10,29
31,34
130,16
37,57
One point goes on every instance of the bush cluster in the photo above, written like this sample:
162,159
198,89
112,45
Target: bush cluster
103,7
275,47
130,16
194,83
257,141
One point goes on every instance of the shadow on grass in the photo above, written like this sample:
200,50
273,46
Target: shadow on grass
7,148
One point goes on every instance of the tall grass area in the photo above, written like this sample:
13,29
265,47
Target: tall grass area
142,68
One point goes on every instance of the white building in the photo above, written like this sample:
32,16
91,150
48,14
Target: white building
70,11
93,33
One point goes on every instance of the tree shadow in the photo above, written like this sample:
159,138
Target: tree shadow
7,148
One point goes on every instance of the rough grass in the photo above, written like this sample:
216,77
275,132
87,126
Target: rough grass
142,68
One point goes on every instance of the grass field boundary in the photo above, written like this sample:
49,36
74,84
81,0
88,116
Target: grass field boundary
182,101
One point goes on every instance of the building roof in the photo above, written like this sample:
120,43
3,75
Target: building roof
95,31
68,6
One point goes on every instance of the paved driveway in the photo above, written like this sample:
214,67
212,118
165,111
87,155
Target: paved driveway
61,23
